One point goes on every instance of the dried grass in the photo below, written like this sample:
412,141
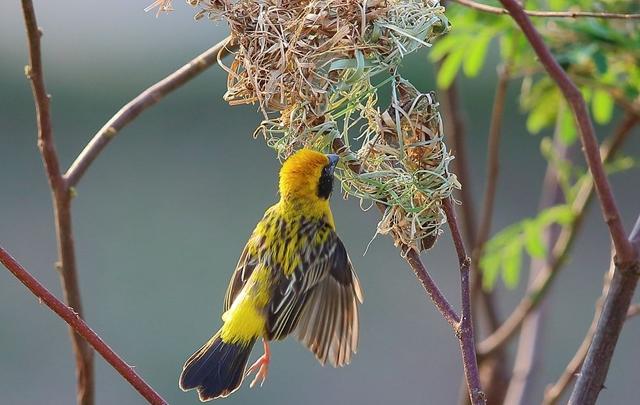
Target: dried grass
309,64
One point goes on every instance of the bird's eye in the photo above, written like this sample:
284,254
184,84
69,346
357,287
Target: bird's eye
325,184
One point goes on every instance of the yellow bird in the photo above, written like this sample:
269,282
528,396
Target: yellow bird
293,276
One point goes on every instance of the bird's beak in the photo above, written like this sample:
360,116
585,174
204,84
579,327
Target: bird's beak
333,161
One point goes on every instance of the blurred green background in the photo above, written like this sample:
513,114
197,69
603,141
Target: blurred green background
162,215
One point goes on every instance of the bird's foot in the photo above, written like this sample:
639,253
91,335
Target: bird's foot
262,365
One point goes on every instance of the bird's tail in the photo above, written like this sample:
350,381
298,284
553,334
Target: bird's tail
216,369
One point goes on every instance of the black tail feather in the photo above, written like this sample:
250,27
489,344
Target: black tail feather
216,369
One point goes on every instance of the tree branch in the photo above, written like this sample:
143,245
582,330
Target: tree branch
465,328
560,251
494,373
144,100
454,128
605,337
624,250
548,14
493,159
554,392
462,326
61,205
80,327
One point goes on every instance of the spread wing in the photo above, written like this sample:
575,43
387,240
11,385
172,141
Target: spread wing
321,299
328,325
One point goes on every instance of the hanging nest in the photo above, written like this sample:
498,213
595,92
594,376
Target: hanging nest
300,52
309,65
405,164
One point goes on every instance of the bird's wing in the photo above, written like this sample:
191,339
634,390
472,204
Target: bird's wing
328,325
241,274
320,298
291,292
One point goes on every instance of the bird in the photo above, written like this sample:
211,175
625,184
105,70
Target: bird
294,277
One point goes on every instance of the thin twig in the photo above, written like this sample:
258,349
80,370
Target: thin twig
61,204
560,250
455,130
548,14
465,328
493,371
461,325
493,158
527,359
135,107
80,327
624,249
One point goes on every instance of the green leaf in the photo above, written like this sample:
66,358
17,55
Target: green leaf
503,237
602,106
540,117
511,261
490,264
476,53
561,214
443,46
506,46
533,239
620,164
600,60
450,68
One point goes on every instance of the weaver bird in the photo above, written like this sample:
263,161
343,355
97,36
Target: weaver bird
293,276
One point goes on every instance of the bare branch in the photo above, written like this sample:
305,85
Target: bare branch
554,392
560,251
605,337
143,101
80,327
493,373
454,128
624,249
61,205
462,326
465,328
548,14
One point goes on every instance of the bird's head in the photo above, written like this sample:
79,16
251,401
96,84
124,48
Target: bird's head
307,176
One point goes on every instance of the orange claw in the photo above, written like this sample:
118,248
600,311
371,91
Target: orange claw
262,365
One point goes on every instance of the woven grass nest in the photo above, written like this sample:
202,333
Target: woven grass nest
314,67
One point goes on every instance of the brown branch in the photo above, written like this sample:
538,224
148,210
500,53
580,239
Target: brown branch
461,325
61,204
455,130
465,328
493,159
624,250
494,373
549,14
555,391
560,251
80,327
609,325
144,100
